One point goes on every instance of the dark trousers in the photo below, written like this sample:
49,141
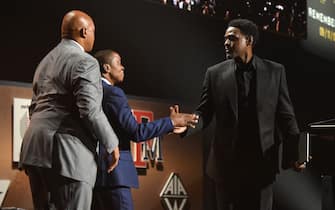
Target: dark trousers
52,191
248,185
112,198
246,198
328,192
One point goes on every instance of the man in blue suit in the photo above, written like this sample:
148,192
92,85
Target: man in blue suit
113,190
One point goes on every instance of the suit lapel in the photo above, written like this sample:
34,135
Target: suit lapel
261,81
231,84
230,80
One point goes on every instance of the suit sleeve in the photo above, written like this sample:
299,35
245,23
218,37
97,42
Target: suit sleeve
116,107
205,107
287,123
87,89
285,111
32,105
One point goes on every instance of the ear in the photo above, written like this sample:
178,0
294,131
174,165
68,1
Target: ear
250,40
83,32
106,67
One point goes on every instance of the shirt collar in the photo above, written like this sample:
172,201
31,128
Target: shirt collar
105,80
81,47
246,67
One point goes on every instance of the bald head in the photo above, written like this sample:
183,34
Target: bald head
79,26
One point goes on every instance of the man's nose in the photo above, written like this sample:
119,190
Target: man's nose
227,42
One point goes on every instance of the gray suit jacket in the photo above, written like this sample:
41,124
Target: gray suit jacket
274,111
66,115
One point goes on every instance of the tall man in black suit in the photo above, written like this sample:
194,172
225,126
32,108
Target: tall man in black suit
248,96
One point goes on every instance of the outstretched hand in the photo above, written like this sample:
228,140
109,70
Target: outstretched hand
182,120
179,130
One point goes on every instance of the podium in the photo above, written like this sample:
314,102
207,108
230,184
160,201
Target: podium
321,139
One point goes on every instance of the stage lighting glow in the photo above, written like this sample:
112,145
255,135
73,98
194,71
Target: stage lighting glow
289,16
280,7
321,29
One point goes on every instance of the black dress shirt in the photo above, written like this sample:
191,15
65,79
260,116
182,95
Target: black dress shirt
248,147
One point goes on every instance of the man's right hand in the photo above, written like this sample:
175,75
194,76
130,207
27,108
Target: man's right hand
182,119
179,130
298,167
114,160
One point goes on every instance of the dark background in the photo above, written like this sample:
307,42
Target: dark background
166,52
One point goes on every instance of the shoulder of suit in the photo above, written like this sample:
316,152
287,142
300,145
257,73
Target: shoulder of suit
74,52
271,63
119,91
116,91
221,66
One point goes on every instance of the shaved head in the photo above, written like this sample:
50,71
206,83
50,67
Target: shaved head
79,26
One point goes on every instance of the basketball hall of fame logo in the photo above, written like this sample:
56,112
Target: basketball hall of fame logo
173,195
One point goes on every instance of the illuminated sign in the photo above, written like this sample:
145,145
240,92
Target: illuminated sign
173,194
20,124
321,28
147,151
322,18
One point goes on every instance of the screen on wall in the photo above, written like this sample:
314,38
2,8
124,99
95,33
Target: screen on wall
279,16
321,28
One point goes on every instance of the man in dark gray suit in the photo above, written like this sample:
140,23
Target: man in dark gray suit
249,98
59,147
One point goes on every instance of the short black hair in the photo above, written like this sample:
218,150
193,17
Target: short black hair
104,57
247,27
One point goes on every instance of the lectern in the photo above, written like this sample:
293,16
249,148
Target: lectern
321,138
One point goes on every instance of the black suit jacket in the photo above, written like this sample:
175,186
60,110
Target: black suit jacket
219,99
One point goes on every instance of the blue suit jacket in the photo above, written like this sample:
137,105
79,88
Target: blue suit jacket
118,112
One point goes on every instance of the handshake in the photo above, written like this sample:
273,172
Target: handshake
181,121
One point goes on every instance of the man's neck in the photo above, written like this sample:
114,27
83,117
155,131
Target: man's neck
247,58
108,81
244,66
